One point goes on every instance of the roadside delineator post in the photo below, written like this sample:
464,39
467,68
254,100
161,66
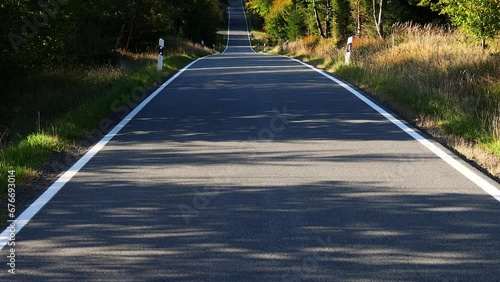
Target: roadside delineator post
348,51
161,43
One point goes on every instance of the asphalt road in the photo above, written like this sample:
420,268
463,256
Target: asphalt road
252,167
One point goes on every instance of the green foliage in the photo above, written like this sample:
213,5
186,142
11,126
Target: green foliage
477,17
336,18
47,33
204,17
342,25
295,22
36,148
276,26
260,7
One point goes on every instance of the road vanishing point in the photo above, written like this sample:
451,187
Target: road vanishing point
255,167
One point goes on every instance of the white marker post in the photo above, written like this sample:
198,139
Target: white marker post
348,51
160,54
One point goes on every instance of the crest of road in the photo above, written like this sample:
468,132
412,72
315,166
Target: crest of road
255,167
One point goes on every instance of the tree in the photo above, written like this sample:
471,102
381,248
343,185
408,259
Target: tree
328,18
261,7
295,20
276,23
359,14
318,21
276,26
44,34
342,18
204,18
477,17
378,16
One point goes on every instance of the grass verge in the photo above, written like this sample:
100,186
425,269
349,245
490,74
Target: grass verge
440,81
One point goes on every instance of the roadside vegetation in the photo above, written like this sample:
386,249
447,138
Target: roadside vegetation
440,71
68,106
435,79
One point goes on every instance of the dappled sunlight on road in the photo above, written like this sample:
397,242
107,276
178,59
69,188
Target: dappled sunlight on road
251,167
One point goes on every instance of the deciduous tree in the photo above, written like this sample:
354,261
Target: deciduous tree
378,10
477,17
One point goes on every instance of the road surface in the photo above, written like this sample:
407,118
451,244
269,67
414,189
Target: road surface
251,167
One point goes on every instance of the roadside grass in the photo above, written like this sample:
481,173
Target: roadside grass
59,108
494,147
441,81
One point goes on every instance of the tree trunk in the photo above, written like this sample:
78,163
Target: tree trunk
118,44
378,19
129,36
328,20
358,19
483,43
318,22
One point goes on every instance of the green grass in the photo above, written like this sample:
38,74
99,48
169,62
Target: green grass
493,146
75,104
35,149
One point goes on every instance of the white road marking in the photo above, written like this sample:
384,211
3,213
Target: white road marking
35,207
246,23
228,27
472,176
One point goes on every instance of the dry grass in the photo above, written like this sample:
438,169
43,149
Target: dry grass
441,80
460,80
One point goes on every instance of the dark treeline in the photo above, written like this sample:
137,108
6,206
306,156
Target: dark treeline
38,37
41,33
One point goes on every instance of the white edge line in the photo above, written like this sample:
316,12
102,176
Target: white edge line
36,206
228,28
472,176
246,23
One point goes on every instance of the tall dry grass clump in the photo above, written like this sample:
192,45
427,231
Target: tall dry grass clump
323,52
446,78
